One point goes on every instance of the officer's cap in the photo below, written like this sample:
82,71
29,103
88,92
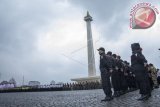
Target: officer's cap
101,48
119,57
150,64
125,62
114,55
109,53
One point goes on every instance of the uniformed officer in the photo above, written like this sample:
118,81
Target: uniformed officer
130,78
138,63
121,75
115,76
105,69
153,75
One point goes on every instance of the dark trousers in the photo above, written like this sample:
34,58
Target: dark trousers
158,79
123,83
115,80
131,82
143,83
106,84
151,82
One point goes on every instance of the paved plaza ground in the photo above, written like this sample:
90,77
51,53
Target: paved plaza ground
82,98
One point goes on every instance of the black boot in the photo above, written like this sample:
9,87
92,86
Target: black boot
143,97
146,97
156,86
116,94
140,98
107,98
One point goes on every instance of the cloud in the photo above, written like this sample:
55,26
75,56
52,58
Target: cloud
110,15
37,41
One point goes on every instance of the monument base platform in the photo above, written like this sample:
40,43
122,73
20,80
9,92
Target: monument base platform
87,79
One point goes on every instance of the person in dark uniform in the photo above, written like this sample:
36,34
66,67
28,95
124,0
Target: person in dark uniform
121,75
150,77
138,63
127,76
131,82
115,77
105,69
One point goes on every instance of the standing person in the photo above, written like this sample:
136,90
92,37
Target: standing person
158,76
127,76
106,69
154,75
138,63
115,77
121,75
148,69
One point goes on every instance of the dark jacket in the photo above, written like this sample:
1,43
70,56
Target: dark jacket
137,63
105,62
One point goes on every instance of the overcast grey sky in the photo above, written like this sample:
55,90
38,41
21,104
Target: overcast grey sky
45,40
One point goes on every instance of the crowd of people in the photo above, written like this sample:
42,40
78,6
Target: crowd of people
82,86
126,77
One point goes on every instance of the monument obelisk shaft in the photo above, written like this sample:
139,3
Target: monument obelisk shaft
91,59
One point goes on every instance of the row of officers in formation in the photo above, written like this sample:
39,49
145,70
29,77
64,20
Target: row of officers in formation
125,76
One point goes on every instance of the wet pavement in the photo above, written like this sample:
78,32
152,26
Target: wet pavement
82,98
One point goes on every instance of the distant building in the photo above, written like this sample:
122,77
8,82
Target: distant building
34,83
12,81
53,82
4,82
60,83
6,85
